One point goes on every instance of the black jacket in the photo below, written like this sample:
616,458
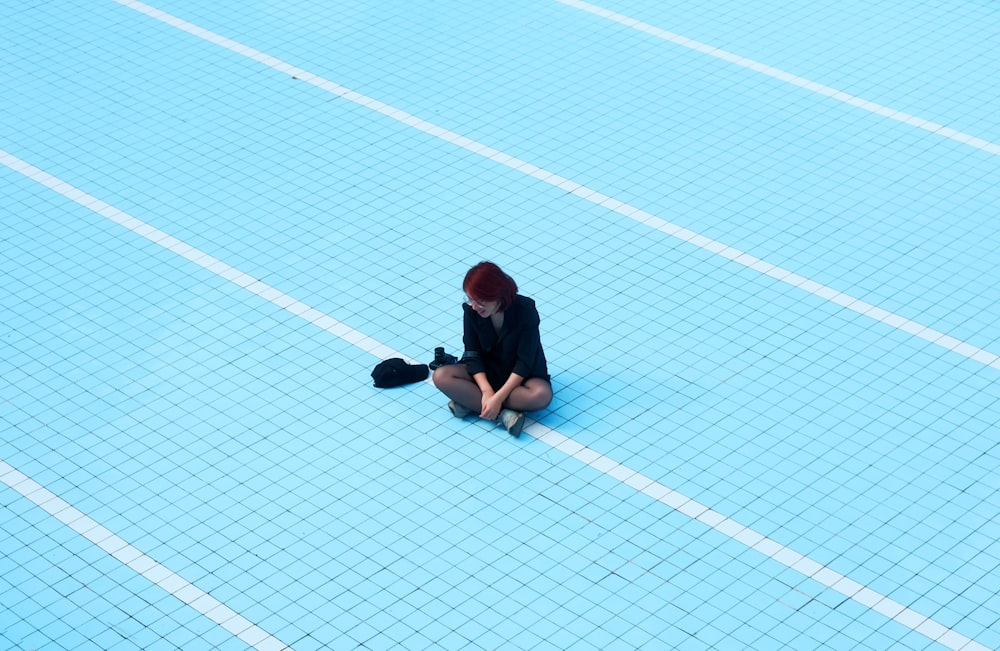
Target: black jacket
517,349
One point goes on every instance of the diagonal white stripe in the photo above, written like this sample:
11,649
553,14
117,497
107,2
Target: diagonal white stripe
200,258
781,75
128,555
641,483
572,187
767,546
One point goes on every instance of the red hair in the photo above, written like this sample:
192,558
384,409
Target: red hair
486,282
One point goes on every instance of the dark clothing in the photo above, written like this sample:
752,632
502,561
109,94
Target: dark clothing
517,349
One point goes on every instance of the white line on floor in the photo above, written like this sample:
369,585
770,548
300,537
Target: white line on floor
157,573
572,187
641,483
781,75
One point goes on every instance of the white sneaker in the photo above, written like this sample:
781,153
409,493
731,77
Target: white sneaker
512,420
460,411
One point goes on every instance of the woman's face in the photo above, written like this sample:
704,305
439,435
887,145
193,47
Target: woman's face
484,308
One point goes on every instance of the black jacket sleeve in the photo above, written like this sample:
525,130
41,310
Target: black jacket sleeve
472,357
529,342
516,349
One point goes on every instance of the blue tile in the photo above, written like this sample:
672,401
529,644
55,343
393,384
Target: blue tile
833,434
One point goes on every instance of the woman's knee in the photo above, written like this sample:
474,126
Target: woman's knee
441,376
539,393
449,374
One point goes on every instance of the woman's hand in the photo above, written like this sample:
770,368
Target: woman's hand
492,404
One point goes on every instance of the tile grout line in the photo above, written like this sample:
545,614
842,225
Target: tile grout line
136,560
769,547
605,465
200,258
781,75
751,262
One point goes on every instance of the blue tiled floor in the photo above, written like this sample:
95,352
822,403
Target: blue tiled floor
233,437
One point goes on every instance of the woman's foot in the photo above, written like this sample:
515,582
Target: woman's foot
512,420
460,411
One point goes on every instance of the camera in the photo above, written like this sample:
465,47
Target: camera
442,358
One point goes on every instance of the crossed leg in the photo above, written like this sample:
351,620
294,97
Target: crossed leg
455,382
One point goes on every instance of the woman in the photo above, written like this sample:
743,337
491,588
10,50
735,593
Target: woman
503,372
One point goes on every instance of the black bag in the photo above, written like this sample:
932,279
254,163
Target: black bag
396,372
